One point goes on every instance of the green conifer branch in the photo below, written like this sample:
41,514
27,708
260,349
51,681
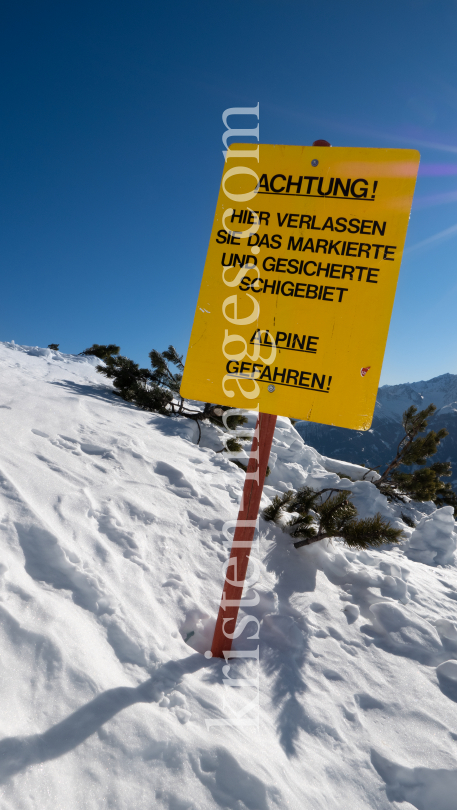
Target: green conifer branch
415,450
334,516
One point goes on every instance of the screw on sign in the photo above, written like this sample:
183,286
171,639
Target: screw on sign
320,256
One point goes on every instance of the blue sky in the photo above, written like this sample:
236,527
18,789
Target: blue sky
111,154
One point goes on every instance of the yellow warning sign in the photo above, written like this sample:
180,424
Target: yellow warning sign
299,281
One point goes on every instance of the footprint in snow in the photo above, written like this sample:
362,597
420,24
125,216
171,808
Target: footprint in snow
111,526
205,501
96,450
127,649
367,702
317,607
177,704
352,613
178,482
401,631
332,675
230,784
175,584
349,715
68,443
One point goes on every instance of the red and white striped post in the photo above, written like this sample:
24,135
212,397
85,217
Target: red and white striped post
245,526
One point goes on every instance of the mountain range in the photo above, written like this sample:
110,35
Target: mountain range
377,446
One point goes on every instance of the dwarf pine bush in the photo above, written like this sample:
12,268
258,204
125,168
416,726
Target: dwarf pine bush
328,514
158,389
424,484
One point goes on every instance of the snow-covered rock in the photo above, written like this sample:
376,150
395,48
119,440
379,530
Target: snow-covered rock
434,540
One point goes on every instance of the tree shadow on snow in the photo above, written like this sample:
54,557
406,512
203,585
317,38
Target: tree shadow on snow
285,646
295,572
167,425
285,662
175,426
283,653
101,392
19,753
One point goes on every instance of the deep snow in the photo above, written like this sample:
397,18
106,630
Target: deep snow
112,554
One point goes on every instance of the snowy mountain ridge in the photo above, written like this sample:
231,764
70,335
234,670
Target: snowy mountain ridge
378,445
112,555
442,391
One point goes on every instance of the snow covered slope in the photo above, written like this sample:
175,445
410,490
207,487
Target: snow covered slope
111,555
378,445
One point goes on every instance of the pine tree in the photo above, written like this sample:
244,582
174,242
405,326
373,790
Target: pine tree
158,389
54,346
319,518
101,351
132,383
413,449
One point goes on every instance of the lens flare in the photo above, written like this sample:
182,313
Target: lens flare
438,237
